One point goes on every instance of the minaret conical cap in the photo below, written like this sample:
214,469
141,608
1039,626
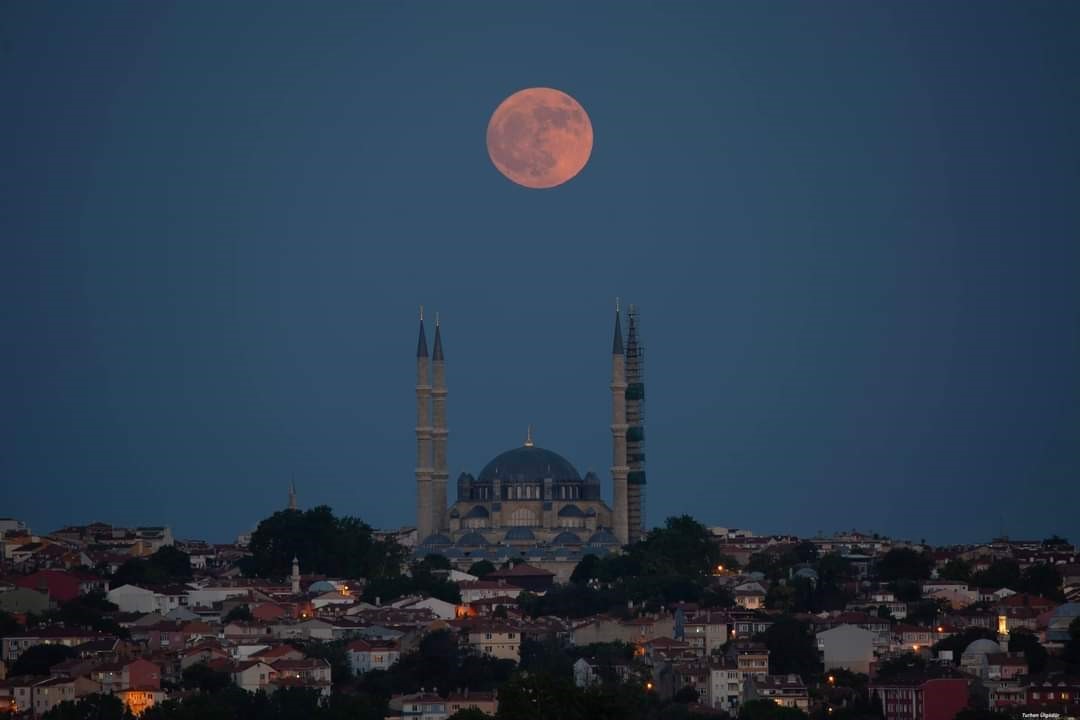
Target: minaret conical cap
437,354
616,344
421,344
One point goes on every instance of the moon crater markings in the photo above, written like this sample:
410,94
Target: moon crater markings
539,137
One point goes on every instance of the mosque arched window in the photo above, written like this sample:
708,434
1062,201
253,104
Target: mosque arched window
523,517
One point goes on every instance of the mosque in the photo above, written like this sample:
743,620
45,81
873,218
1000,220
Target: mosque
528,501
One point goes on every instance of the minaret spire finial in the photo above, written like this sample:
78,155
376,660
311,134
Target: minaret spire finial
421,313
436,319
616,303
528,437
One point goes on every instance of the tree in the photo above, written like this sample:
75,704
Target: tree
8,624
167,565
481,568
1071,653
1055,541
241,613
90,707
200,676
1041,579
434,561
323,543
1001,573
956,569
791,648
686,695
902,665
926,612
585,570
38,659
334,653
682,547
904,564
1022,640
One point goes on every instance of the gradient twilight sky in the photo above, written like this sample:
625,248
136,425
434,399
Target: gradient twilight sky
851,227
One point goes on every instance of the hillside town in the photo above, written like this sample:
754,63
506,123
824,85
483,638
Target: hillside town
689,621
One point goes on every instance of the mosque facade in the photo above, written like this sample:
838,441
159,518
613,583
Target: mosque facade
529,501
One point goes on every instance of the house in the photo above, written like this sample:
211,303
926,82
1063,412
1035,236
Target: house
920,698
16,644
274,653
24,600
913,637
750,596
62,585
603,628
485,702
430,706
491,637
786,690
526,577
439,608
311,673
51,692
365,655
473,590
707,630
253,675
135,599
418,706
138,699
847,646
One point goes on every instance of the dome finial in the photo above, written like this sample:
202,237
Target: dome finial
528,437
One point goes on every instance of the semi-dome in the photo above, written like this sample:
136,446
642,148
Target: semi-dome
437,539
603,537
519,534
529,464
571,511
566,538
473,539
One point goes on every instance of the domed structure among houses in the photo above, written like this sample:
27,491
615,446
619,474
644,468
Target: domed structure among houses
529,500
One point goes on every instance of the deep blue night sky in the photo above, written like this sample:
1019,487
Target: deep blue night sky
851,228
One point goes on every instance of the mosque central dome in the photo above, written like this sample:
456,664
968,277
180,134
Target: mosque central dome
529,464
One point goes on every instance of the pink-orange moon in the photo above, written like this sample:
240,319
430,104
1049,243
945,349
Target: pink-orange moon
539,137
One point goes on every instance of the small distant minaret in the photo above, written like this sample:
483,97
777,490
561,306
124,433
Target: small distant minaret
295,575
292,496
619,469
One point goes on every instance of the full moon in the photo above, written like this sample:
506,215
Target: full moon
539,137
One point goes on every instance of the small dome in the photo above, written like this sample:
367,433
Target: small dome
473,539
322,586
566,538
603,537
454,513
591,512
437,539
982,647
519,534
478,511
571,511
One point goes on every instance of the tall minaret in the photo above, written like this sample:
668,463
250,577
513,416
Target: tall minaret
295,575
635,433
439,520
424,527
292,496
619,469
